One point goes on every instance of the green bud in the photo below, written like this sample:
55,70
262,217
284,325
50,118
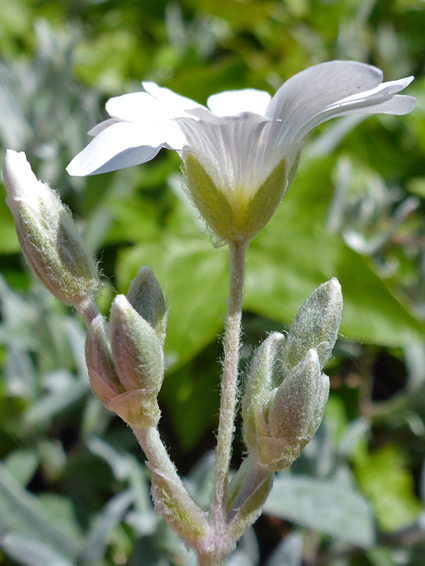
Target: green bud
103,378
47,234
316,326
146,297
138,359
235,214
292,415
286,392
295,413
264,376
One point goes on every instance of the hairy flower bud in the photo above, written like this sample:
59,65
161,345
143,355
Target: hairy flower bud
146,297
103,377
138,359
316,325
286,391
294,414
264,377
47,234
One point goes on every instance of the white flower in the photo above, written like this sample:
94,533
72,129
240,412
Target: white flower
236,144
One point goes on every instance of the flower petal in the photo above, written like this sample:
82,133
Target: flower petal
121,145
234,102
134,107
397,105
102,126
332,89
305,94
174,105
237,151
381,99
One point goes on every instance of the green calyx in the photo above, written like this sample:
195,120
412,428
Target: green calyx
233,214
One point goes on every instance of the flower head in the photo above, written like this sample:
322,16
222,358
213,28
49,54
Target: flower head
240,151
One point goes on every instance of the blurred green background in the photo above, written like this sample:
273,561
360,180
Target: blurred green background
73,486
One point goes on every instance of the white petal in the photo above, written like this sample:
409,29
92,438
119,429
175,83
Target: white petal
397,105
119,146
237,152
381,99
173,104
102,126
17,174
321,85
22,185
134,107
378,93
234,102
308,92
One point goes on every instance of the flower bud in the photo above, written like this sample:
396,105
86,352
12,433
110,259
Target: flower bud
294,414
234,213
146,297
316,325
47,234
138,359
264,377
286,391
103,377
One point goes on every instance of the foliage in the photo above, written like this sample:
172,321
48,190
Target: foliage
73,488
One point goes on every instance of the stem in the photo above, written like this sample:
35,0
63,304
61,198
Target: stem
88,310
158,457
228,384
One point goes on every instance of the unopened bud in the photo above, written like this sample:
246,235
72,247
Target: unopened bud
138,358
135,407
103,377
264,377
316,325
47,234
146,297
286,391
294,414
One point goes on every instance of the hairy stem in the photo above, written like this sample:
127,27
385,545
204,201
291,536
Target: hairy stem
160,463
88,310
229,384
158,457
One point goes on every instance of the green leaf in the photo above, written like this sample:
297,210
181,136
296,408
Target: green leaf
97,540
326,506
32,552
192,397
384,478
22,464
193,277
295,253
21,514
